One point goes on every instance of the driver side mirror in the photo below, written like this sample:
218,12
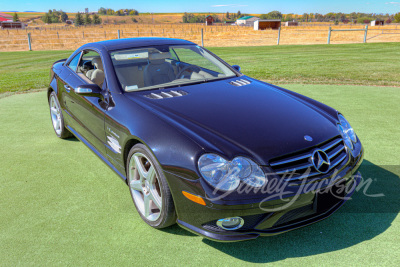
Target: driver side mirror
89,90
236,67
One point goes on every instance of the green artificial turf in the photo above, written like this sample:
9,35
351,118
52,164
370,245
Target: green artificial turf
361,64
60,205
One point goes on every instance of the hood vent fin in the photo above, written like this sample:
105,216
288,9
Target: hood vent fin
240,82
168,94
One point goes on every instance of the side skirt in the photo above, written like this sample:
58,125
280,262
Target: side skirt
94,150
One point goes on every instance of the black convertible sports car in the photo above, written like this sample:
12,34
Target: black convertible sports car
200,144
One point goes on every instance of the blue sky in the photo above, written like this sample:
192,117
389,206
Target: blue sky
245,6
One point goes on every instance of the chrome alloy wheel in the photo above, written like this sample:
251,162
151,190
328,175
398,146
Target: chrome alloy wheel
55,112
145,186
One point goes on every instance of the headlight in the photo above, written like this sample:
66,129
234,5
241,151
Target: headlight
347,132
346,138
226,175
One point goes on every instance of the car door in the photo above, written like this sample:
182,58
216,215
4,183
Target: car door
64,88
87,112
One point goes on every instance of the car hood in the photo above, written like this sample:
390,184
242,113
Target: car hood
256,120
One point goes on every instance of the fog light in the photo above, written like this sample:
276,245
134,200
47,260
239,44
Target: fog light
231,223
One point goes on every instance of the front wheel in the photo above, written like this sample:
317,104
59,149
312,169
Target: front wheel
149,188
57,118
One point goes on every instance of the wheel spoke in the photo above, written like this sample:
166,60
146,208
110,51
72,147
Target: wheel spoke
156,200
55,103
146,203
53,111
140,167
57,124
151,174
136,185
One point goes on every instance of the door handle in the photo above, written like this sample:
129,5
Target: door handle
67,88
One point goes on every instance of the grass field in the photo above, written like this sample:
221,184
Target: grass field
361,64
60,205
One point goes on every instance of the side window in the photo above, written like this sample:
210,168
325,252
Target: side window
91,66
74,62
90,61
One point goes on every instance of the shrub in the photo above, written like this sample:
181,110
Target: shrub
78,19
272,15
87,20
64,16
191,18
54,19
46,18
54,16
397,17
363,20
96,19
15,17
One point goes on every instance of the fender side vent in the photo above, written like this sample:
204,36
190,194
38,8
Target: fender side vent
167,94
240,82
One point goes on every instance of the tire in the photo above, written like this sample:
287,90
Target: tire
149,188
57,118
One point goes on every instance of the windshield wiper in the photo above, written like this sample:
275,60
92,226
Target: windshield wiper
218,78
181,84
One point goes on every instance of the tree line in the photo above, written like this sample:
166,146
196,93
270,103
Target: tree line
331,16
192,18
85,19
201,18
306,17
120,12
234,16
354,17
55,16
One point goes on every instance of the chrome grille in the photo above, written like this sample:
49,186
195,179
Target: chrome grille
298,166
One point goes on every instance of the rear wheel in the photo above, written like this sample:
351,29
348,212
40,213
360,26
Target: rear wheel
57,118
149,188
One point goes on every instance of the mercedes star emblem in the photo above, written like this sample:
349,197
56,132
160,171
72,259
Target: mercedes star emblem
320,161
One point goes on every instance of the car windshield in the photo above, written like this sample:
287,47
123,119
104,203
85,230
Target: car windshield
166,66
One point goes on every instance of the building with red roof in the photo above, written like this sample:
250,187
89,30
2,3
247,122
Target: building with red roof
3,19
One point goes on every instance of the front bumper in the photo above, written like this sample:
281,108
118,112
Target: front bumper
297,221
270,217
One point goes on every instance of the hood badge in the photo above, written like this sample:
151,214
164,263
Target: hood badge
321,161
308,138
